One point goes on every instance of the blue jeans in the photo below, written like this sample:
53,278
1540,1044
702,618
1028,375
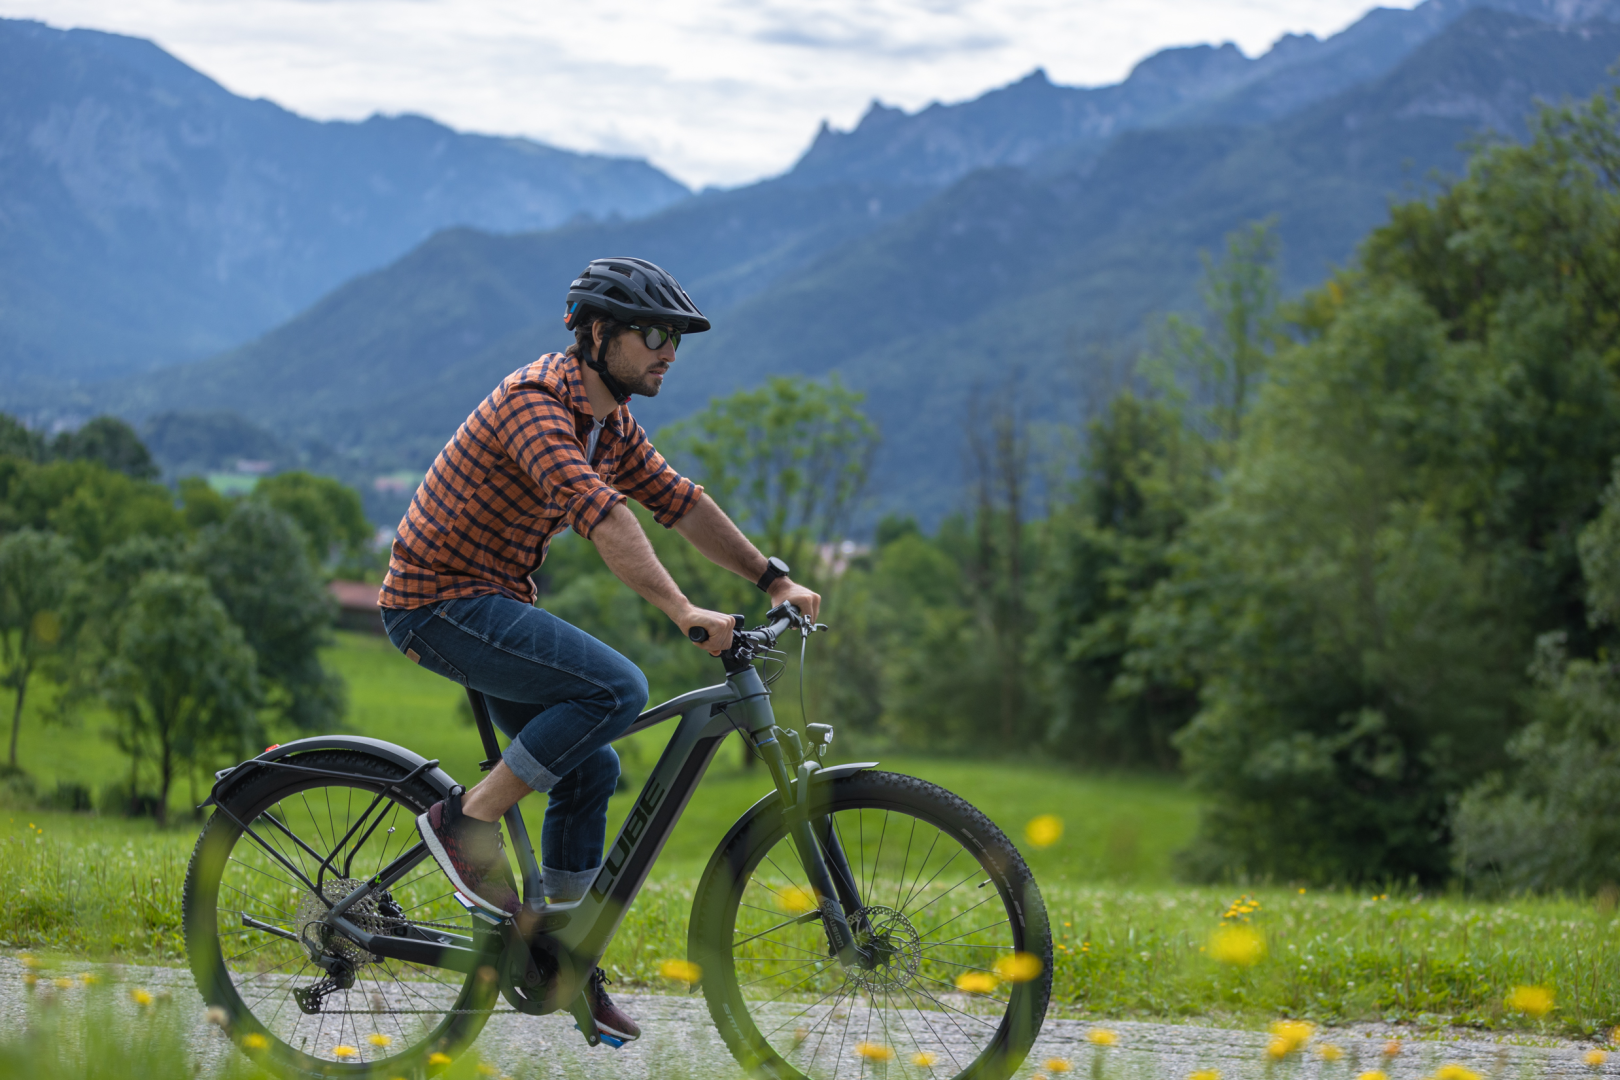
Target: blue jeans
560,695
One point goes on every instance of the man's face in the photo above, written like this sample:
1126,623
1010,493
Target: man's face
639,368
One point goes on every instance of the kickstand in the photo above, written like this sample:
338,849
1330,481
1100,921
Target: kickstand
581,1008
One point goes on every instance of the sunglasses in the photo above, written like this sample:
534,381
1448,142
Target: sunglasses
655,336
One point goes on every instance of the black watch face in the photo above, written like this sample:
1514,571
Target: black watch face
773,563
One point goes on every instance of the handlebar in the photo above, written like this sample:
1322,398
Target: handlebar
781,619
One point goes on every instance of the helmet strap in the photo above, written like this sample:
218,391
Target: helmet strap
597,363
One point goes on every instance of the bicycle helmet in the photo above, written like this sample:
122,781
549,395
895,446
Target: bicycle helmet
633,291
628,291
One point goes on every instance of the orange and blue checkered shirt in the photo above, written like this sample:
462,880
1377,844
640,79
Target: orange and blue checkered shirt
514,476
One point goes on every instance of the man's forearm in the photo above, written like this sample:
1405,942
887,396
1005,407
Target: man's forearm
629,554
707,528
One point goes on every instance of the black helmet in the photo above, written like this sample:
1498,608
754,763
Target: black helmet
633,291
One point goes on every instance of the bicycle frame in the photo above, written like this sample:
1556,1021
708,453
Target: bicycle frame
581,930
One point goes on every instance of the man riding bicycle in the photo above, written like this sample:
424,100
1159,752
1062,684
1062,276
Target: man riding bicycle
554,446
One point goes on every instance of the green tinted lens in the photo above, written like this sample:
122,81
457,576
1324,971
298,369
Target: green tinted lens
655,336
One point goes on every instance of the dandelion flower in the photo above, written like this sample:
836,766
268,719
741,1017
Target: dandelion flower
800,1034
1534,1001
1614,1036
872,1051
1019,967
486,1069
1392,1048
1240,946
1329,1052
798,900
140,997
1044,831
89,979
30,979
63,982
976,982
378,1039
681,971
1373,1074
1058,1065
29,962
1595,1058
254,1041
1452,1071
1101,1037
1204,1074
1288,1036
438,1058
343,1052
923,1059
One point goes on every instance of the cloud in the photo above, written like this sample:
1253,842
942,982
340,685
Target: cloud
714,91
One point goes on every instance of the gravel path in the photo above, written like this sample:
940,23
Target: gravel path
682,1043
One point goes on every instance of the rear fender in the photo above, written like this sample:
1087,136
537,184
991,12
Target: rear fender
409,760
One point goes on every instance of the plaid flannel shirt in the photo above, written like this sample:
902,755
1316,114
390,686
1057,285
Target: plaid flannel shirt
513,477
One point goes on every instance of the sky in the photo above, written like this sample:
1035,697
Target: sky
717,92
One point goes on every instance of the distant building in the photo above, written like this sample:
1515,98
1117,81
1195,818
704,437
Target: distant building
357,606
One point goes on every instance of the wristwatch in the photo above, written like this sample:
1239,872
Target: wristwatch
774,568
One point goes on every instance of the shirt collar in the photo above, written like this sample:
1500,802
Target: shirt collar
579,399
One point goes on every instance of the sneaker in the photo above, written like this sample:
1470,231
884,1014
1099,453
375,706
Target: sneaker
472,855
611,1020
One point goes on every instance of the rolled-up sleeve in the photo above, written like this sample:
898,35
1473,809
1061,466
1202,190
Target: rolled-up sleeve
646,477
537,431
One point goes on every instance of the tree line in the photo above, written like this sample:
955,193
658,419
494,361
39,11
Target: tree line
1350,562
190,620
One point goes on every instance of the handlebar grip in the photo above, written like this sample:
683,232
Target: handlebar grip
698,634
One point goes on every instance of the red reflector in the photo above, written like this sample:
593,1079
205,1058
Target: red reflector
271,747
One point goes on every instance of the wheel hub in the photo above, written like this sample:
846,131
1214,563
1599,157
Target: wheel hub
376,913
892,947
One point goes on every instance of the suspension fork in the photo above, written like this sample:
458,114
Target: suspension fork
833,885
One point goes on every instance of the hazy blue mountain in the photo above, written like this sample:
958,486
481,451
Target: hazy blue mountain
147,215
1200,84
1012,277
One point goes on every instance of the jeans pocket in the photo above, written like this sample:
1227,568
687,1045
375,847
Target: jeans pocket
420,652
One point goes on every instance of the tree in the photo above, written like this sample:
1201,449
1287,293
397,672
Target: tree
789,460
37,570
328,511
181,679
257,563
18,440
107,441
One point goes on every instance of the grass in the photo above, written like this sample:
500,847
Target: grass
1132,943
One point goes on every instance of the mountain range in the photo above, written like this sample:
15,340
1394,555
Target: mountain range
1018,243
149,216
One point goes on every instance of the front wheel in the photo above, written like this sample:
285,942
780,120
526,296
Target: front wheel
958,964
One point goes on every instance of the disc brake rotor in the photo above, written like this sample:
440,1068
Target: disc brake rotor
893,945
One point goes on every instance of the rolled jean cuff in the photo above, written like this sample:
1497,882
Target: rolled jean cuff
526,769
563,886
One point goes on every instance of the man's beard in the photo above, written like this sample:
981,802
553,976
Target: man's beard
637,382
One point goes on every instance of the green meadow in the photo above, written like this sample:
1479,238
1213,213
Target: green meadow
1132,942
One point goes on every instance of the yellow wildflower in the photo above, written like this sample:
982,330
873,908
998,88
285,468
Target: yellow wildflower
254,1041
1019,967
1204,1074
1452,1071
1595,1058
923,1059
1101,1037
1044,831
1392,1048
872,1051
1535,1001
681,971
976,982
29,961
30,979
63,982
798,900
486,1069
1058,1065
1238,945
342,1052
1329,1052
378,1039
1373,1074
437,1058
1288,1036
140,997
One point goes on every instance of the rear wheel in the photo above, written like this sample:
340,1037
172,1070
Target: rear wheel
299,998
959,952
